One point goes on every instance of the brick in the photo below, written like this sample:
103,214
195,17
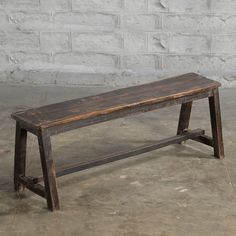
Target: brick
223,44
97,5
53,42
19,40
88,19
97,42
181,63
223,6
87,59
21,17
28,21
224,66
179,6
55,5
142,62
183,23
211,65
135,5
20,5
3,19
3,60
229,64
22,57
135,42
158,43
143,22
189,44
199,23
227,24
189,6
186,44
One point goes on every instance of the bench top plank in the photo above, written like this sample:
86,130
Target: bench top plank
131,97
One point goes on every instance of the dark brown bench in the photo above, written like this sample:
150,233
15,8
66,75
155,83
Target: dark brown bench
60,117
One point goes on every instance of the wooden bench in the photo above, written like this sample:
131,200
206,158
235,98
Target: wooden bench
61,117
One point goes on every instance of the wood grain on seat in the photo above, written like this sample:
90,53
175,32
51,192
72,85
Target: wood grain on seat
131,97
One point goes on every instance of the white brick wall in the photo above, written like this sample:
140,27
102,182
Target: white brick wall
87,59
116,42
97,42
97,5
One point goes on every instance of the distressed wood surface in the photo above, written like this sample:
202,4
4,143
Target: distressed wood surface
115,101
60,117
190,134
35,188
216,125
49,172
184,117
20,155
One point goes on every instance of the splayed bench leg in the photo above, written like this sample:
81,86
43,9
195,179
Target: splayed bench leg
49,173
216,125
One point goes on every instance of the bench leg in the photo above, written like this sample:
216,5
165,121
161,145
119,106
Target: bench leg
184,117
49,173
20,155
215,113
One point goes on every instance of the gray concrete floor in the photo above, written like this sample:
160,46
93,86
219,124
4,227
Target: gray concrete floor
178,190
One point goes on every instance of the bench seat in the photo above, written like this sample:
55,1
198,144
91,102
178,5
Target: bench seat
118,100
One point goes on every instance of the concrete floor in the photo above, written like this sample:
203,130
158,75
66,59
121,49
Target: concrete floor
175,191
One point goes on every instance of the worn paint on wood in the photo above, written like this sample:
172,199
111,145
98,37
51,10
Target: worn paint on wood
60,117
